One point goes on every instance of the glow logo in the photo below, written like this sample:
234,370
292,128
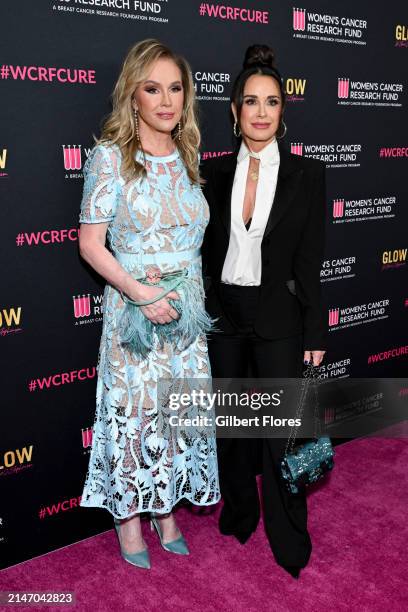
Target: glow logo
295,89
10,319
394,259
401,35
16,460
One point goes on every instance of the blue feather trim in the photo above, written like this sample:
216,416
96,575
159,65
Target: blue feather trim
137,331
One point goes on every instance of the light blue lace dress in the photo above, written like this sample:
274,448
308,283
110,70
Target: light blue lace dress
132,469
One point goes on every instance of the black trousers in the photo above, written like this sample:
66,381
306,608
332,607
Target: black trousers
241,459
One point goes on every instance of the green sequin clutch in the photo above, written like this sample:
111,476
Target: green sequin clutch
307,463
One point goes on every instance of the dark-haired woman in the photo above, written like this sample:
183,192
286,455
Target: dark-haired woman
262,254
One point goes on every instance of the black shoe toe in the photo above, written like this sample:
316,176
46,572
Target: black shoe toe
292,570
240,536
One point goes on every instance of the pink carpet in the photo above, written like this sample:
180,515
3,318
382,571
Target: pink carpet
358,524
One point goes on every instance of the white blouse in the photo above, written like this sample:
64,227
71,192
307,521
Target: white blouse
243,263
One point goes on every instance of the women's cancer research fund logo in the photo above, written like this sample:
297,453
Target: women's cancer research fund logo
87,308
308,24
335,155
73,160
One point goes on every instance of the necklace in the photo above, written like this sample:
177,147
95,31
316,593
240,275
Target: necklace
254,167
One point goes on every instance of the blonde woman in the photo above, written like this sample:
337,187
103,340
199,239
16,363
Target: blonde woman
142,192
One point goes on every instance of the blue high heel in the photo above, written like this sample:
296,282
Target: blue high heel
140,559
177,546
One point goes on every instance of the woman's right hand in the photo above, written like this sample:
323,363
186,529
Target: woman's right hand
159,312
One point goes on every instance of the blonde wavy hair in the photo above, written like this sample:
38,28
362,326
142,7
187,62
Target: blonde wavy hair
119,127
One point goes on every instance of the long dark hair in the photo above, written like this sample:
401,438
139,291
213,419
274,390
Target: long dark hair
259,59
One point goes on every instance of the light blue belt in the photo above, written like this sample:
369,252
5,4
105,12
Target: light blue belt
162,257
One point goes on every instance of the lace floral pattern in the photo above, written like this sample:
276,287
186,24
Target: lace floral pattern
131,468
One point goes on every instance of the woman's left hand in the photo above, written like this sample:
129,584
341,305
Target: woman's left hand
317,357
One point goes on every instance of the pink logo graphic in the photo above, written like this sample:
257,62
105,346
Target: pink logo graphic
82,305
338,208
329,415
72,157
296,148
343,86
333,316
87,437
299,19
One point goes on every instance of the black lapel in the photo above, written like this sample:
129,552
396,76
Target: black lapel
224,189
288,178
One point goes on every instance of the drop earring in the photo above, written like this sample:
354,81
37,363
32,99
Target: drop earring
136,124
179,131
285,129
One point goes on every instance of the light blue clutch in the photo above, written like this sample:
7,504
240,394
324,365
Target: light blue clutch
137,332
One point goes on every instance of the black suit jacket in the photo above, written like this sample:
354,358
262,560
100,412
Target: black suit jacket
292,249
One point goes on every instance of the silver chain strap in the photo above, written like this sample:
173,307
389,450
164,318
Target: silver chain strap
310,375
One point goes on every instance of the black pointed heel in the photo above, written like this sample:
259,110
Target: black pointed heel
292,570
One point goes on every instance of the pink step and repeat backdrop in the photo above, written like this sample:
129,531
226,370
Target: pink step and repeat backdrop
344,65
